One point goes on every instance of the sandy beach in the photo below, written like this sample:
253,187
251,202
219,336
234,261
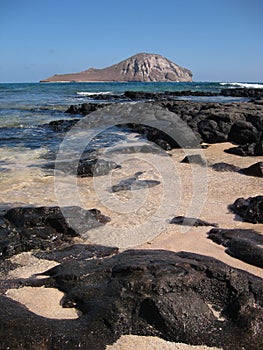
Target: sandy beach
222,189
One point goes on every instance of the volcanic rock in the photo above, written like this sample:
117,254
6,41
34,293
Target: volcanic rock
26,228
186,221
194,159
253,149
246,245
140,67
251,209
181,297
222,166
253,170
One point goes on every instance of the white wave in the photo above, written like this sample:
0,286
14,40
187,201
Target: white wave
89,93
245,85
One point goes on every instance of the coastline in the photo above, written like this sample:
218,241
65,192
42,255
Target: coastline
219,196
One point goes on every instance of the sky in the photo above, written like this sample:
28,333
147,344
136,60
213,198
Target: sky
218,40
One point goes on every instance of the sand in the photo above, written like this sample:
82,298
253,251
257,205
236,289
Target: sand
140,219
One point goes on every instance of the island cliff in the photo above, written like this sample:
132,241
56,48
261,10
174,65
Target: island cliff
142,67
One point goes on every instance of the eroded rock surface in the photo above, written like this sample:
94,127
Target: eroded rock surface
250,209
246,245
26,228
180,297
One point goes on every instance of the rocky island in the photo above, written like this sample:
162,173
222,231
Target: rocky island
142,67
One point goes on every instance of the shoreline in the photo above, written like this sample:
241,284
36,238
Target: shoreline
173,238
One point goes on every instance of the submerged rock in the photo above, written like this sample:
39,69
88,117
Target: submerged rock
186,221
250,209
28,228
133,183
246,245
181,297
95,167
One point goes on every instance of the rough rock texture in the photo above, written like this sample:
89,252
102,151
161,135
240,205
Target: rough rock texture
27,228
246,245
211,122
140,67
186,221
250,209
180,297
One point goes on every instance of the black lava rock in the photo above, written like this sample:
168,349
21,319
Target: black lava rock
253,170
250,209
181,297
246,245
27,228
186,221
223,167
194,159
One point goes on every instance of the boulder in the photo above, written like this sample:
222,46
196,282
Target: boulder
27,228
95,167
181,297
246,245
243,132
250,209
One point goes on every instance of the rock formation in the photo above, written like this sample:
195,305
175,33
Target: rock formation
140,67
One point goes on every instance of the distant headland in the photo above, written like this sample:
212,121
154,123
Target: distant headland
142,67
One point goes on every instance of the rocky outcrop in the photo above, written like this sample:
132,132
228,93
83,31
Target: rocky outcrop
26,228
246,245
250,209
140,67
181,297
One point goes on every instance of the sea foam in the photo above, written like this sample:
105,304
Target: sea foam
89,93
245,85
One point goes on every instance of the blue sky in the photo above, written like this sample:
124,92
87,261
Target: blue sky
219,40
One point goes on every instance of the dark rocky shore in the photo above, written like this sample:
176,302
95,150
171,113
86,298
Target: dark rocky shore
180,297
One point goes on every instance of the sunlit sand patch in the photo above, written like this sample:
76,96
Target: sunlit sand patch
130,342
43,301
29,266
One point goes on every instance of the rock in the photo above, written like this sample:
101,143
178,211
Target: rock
140,67
84,108
194,159
28,228
133,183
243,92
186,221
250,209
243,132
85,167
246,245
95,167
62,125
253,170
225,167
77,252
181,297
210,132
253,149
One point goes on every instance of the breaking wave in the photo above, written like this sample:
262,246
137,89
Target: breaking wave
92,93
245,85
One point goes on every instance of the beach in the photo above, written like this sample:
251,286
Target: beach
139,216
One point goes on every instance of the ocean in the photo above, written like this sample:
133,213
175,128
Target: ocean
27,143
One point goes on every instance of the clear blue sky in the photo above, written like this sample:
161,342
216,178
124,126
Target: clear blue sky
219,40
